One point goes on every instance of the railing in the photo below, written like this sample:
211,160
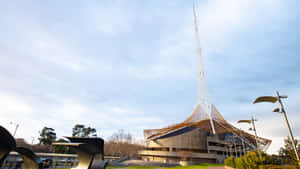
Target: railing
14,161
177,154
54,164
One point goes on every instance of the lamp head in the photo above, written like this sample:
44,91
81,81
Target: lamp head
270,99
277,110
244,121
283,97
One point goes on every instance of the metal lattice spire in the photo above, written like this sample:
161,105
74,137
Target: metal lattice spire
204,109
205,115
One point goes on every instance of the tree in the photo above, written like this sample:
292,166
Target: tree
47,136
63,149
121,136
287,151
121,144
251,160
79,130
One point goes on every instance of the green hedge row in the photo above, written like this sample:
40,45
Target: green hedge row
278,167
255,160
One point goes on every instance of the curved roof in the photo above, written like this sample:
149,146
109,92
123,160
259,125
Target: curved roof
199,119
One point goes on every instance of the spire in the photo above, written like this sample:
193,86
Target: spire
200,71
203,95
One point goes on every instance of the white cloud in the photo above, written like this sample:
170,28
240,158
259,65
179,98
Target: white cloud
110,19
32,39
19,111
159,71
48,47
68,112
219,21
10,103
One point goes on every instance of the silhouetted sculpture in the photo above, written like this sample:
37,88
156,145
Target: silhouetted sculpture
90,152
8,144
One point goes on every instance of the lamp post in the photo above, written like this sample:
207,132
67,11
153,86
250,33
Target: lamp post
243,144
16,128
274,99
251,122
233,141
32,141
15,132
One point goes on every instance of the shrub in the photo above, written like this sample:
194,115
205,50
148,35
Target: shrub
277,167
251,160
230,162
240,163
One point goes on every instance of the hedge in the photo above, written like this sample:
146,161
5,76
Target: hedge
256,160
278,167
230,162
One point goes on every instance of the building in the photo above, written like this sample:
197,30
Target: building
205,136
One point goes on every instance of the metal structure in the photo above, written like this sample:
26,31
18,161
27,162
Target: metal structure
205,135
8,144
31,161
253,128
90,152
16,127
275,99
251,122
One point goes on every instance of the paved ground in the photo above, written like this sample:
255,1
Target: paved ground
225,167
141,163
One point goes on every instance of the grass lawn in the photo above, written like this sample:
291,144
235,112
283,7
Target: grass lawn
197,166
200,166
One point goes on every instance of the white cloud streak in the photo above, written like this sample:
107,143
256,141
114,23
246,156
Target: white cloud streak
63,70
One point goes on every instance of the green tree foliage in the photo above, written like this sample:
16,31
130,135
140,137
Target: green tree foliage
278,167
79,130
251,160
287,152
240,163
230,162
47,136
63,149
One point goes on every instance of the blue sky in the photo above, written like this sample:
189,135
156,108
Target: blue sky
132,64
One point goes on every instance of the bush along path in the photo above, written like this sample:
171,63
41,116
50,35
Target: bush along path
252,160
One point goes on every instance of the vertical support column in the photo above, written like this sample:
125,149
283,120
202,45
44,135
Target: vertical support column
228,151
288,125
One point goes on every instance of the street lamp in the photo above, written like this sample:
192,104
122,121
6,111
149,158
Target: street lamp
251,121
274,99
16,128
243,144
32,141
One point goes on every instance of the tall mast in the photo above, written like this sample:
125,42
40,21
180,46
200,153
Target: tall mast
200,71
203,95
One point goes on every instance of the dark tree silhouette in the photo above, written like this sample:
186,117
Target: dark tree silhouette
287,151
79,130
47,136
63,149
